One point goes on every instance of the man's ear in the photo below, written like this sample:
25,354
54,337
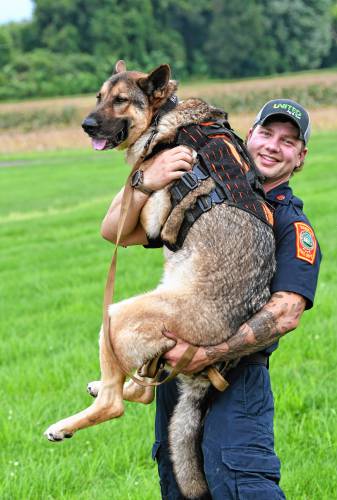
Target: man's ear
248,136
156,82
120,67
303,154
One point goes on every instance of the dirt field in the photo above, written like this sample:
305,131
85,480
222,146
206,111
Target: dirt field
72,137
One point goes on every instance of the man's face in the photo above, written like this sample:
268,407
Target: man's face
276,150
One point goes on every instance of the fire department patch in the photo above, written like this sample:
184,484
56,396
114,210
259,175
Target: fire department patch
306,243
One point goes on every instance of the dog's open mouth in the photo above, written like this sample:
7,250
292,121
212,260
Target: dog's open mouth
109,143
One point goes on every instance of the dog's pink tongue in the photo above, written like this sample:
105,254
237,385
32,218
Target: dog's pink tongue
98,143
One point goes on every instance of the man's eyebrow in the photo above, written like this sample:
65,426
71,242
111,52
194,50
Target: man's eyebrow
290,135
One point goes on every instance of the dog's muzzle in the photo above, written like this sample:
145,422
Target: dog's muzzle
102,139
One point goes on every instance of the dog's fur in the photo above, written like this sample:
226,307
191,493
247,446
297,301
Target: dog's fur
218,279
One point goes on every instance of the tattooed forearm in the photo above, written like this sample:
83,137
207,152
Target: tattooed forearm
278,317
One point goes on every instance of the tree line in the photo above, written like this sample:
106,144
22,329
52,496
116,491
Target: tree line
70,46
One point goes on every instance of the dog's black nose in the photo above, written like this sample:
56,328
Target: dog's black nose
90,124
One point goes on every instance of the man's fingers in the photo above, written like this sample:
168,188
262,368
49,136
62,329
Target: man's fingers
177,154
183,156
177,174
180,149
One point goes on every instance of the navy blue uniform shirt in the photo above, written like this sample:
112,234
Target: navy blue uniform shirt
298,255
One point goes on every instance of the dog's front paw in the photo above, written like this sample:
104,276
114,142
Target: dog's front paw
94,387
55,433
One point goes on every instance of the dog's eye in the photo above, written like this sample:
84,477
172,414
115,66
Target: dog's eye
98,96
120,100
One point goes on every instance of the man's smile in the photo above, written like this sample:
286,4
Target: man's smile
267,159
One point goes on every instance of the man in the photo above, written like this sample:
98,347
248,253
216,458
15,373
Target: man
238,441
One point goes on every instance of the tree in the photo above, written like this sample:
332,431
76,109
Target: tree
331,58
237,44
299,32
6,47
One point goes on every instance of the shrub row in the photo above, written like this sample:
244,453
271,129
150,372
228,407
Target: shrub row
311,96
35,119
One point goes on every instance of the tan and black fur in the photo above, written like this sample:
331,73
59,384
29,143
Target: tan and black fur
218,279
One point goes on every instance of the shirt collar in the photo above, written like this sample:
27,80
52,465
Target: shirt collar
280,194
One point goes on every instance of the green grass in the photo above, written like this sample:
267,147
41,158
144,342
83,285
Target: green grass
53,266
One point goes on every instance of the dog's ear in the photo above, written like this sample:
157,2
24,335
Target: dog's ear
157,81
120,67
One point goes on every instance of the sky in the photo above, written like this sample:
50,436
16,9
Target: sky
15,10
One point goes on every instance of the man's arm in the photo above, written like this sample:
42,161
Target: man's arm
279,316
160,171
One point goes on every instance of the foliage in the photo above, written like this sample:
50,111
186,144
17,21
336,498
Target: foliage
300,32
206,37
237,45
40,118
310,96
331,58
43,73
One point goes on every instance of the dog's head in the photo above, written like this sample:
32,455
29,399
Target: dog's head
126,105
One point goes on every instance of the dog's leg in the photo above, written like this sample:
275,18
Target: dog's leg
109,402
131,391
136,334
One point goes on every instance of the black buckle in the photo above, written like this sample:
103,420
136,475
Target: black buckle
204,203
218,195
200,172
190,180
176,194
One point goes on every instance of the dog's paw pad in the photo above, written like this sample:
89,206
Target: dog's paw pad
52,434
93,388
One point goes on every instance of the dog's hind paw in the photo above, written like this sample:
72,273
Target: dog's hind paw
93,388
55,434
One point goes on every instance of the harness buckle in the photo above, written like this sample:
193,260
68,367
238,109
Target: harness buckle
200,172
190,180
204,203
218,195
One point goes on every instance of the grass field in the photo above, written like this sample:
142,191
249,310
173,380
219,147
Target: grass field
53,266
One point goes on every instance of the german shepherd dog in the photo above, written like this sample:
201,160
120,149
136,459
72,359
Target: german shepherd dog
214,283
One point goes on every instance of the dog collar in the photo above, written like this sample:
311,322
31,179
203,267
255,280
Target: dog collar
170,104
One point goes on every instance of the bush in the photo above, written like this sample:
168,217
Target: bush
41,73
33,120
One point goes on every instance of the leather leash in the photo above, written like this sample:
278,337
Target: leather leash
213,374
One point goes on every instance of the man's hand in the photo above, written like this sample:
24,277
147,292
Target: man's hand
167,166
199,361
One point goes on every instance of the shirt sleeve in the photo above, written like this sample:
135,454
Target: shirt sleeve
298,258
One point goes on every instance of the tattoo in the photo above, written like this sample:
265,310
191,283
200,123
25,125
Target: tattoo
278,317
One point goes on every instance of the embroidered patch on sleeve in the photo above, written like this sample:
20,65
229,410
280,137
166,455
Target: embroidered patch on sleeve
306,243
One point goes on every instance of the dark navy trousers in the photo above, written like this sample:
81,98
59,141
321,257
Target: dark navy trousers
238,440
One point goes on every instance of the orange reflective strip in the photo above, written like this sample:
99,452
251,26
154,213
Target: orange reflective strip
268,214
234,152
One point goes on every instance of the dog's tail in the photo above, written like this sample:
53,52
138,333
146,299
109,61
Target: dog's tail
185,438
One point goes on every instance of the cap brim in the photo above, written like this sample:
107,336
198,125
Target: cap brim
289,118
